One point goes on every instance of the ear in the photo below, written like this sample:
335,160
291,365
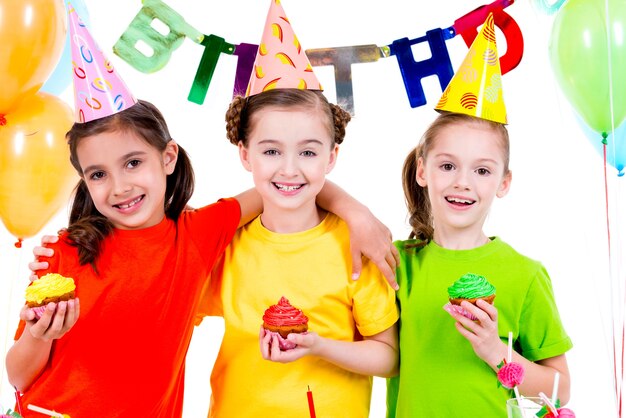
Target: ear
244,156
505,185
332,160
170,156
420,176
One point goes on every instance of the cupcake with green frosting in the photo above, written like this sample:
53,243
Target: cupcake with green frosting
470,287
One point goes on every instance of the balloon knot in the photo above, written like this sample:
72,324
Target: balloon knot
3,120
18,244
604,137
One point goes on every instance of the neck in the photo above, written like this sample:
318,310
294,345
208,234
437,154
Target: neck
460,240
288,221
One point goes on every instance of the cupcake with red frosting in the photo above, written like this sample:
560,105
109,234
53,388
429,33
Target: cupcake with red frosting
283,319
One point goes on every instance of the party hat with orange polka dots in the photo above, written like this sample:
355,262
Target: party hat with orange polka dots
476,88
280,61
99,91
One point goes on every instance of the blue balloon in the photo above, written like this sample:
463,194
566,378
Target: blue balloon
61,77
615,145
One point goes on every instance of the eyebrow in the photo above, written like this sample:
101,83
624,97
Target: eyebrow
303,142
124,157
481,160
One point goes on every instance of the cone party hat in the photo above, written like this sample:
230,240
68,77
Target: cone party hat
280,61
98,89
476,88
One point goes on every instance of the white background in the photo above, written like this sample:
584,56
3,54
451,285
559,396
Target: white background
555,212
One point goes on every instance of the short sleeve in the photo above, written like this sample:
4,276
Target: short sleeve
374,308
210,300
212,227
541,332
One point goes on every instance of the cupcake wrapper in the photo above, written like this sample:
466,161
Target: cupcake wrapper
283,343
460,310
39,310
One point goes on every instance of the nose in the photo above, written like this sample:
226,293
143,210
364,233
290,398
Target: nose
120,185
289,165
461,180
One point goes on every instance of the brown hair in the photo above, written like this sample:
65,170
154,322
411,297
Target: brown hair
416,196
240,113
87,226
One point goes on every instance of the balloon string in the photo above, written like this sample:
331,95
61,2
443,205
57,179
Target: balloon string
619,377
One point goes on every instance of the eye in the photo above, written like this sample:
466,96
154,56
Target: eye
133,163
308,153
483,172
447,166
97,175
270,152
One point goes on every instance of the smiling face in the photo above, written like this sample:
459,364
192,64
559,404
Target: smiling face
289,153
463,171
126,177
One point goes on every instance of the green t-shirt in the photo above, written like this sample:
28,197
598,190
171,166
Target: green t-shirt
440,375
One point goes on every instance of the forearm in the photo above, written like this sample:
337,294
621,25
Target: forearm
336,200
367,357
373,356
251,205
539,377
26,359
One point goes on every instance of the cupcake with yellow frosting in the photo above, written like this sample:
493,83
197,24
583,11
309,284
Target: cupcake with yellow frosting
49,288
469,287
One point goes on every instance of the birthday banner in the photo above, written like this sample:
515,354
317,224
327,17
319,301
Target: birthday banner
341,58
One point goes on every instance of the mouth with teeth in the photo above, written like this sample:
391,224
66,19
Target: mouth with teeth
459,201
130,204
288,187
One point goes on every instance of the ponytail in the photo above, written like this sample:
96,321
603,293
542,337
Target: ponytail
417,201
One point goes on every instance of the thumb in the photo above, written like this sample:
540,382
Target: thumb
357,264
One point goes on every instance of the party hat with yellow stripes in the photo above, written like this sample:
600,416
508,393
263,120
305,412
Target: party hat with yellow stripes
280,61
476,88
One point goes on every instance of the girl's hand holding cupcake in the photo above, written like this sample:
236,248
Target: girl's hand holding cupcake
305,344
56,320
482,333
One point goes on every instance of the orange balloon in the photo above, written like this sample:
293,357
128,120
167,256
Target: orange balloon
32,35
36,177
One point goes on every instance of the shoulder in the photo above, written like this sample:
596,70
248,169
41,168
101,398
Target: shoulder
514,258
220,211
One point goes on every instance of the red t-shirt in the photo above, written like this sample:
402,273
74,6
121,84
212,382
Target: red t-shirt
125,356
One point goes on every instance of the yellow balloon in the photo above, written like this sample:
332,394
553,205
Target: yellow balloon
32,35
36,177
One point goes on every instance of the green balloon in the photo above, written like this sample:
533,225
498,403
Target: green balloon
588,55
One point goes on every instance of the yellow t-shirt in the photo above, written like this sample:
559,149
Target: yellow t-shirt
313,270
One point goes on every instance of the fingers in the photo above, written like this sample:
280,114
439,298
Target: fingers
396,254
73,312
392,259
38,330
56,320
264,343
41,251
275,352
26,314
488,308
34,266
49,239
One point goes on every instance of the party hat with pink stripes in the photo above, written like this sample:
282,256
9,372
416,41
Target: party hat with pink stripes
98,89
